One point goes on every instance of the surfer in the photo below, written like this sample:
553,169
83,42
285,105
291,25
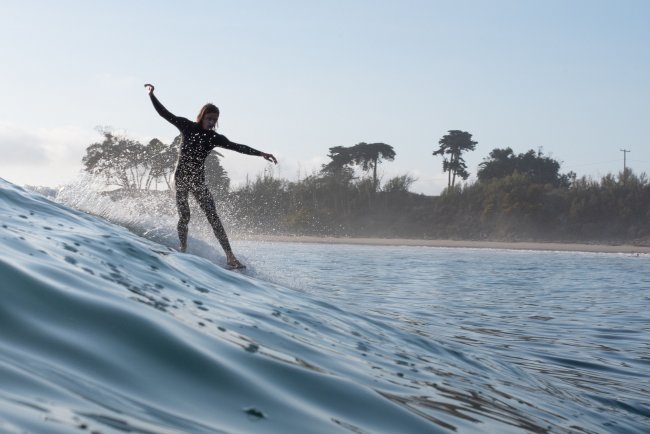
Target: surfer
199,139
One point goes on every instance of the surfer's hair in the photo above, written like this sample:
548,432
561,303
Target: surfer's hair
208,108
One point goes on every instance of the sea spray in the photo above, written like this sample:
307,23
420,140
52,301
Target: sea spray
149,213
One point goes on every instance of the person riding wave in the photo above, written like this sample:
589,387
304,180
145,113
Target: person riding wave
198,140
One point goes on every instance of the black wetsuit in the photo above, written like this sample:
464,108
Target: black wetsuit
189,177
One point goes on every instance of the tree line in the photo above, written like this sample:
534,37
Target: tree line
516,196
129,165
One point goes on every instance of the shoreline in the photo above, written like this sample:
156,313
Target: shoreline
504,245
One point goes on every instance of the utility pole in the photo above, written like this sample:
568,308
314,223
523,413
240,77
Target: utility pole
625,151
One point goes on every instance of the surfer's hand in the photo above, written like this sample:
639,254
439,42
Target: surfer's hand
150,88
269,158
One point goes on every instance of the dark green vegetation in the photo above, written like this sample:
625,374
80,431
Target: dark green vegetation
516,197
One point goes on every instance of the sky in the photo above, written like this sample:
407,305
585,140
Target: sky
296,77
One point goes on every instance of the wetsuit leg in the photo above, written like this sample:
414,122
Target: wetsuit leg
183,206
205,200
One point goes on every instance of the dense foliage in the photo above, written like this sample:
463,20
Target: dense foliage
536,167
515,207
516,197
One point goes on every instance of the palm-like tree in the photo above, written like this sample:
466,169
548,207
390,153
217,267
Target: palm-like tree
365,155
451,148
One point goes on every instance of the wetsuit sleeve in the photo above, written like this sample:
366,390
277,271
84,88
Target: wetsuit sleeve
177,121
223,142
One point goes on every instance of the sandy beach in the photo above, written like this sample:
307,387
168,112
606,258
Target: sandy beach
566,247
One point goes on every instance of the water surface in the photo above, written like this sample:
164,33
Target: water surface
102,330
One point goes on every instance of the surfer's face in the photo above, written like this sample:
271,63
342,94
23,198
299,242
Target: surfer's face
209,121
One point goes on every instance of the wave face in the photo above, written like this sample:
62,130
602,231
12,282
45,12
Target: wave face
105,331
110,332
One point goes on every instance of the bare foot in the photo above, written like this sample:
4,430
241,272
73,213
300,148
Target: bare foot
234,263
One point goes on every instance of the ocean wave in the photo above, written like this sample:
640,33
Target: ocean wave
106,331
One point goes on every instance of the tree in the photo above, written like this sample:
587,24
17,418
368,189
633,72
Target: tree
451,148
97,159
539,168
501,163
130,165
369,155
365,155
118,159
341,160
334,185
400,183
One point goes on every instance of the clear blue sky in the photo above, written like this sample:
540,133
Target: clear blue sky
297,77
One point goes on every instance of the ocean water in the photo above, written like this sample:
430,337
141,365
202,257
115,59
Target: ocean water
109,330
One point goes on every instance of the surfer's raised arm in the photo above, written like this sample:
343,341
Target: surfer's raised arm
177,121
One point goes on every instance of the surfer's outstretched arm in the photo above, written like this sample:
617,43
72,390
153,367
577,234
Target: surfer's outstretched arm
222,142
243,149
177,121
